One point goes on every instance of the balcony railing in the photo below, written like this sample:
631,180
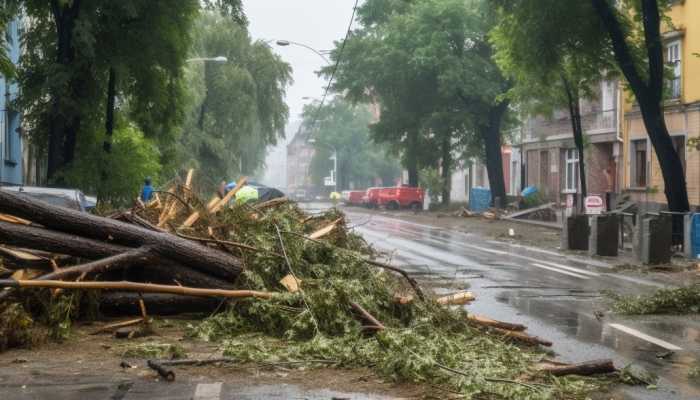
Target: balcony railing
591,123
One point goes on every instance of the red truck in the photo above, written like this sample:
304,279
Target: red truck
353,197
371,197
395,198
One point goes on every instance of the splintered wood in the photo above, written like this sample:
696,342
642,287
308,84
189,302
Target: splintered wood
216,206
325,230
456,299
291,283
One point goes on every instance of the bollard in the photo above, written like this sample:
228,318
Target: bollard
656,240
604,237
578,232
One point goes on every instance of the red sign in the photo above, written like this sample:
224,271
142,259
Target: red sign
594,205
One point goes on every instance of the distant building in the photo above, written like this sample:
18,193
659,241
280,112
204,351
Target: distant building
299,155
10,118
550,157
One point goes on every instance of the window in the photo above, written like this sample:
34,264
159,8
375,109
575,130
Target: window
638,153
679,145
9,134
673,58
571,183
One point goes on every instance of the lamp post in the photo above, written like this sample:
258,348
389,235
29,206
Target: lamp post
334,157
285,43
219,59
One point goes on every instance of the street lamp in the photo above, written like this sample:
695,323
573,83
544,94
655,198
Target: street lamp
334,157
285,43
219,59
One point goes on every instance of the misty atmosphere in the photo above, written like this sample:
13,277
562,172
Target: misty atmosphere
350,199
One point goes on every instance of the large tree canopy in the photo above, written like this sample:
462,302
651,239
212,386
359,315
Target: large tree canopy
235,109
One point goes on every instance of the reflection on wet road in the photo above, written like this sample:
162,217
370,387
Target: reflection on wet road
558,296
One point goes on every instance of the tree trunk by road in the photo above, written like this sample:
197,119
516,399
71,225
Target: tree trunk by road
63,126
110,232
573,99
412,157
491,135
109,129
649,93
446,147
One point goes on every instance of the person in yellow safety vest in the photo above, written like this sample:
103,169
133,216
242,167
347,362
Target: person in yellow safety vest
246,194
335,198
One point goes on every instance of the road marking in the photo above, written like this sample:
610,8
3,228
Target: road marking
644,336
208,391
560,271
572,269
499,252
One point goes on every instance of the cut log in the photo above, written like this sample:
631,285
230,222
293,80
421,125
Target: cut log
183,251
137,287
56,242
460,298
182,275
486,321
126,304
131,257
583,369
325,230
524,338
19,259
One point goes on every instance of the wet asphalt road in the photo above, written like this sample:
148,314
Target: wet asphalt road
558,296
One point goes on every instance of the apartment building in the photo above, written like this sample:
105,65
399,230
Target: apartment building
642,175
10,131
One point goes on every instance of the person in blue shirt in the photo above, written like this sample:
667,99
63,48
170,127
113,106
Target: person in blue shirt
147,191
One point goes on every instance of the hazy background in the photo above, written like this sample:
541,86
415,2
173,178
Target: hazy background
316,23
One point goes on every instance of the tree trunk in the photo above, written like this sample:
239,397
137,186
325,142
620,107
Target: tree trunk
572,96
142,254
109,130
491,135
412,157
56,242
166,245
62,125
649,93
446,146
121,303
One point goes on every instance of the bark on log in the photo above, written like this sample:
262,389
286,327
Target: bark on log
524,338
125,304
178,249
137,287
485,321
174,273
584,369
120,260
56,242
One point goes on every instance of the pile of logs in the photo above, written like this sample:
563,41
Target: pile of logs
47,246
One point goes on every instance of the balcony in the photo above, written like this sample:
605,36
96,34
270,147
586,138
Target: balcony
599,122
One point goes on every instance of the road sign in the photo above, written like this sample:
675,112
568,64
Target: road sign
594,205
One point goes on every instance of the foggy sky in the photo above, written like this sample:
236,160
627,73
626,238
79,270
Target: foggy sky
316,23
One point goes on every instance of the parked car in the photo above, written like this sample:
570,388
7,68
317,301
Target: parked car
371,197
353,197
68,198
401,197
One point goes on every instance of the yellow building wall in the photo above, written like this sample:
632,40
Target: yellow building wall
685,17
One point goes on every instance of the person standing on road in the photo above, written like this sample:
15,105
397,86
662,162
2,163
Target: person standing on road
147,191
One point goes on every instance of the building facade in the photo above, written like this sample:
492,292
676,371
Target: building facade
642,178
549,155
299,155
10,118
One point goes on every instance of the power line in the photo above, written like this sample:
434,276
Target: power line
335,67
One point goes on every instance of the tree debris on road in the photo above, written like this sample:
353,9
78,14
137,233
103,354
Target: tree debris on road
283,287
